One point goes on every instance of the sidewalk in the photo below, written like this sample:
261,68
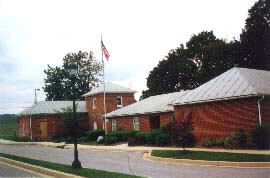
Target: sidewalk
125,147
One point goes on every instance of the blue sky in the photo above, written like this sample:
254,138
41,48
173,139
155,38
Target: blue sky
138,34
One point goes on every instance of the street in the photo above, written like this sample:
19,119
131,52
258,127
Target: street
10,171
130,163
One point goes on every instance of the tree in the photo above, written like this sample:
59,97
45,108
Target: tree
172,74
69,122
204,58
58,84
255,38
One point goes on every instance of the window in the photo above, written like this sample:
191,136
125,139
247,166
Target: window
94,103
136,123
113,125
119,101
171,117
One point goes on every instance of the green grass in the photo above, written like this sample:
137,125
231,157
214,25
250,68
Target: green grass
8,128
85,172
211,156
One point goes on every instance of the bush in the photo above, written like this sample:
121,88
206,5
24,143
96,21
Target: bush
110,140
213,142
93,134
138,139
181,132
162,140
261,136
150,137
236,140
122,136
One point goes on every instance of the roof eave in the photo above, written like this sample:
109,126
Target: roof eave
134,114
217,99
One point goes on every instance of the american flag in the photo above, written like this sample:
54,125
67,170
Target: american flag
105,51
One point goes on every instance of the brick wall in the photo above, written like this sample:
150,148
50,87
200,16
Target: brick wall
111,105
126,122
221,118
55,125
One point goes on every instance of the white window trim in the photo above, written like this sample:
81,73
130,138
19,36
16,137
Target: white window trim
134,124
94,103
113,124
121,101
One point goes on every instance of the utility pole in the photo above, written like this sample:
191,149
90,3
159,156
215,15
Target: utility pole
35,101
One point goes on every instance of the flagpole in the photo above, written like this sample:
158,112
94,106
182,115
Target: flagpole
104,95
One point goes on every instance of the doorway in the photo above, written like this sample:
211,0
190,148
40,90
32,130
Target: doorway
43,130
154,121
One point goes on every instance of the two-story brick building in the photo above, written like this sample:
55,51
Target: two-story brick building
116,97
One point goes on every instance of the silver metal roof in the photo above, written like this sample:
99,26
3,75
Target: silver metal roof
109,88
153,104
235,83
52,107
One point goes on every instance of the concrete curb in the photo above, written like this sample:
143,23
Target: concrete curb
149,157
38,169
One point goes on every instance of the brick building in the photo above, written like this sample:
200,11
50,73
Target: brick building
237,99
116,97
42,120
144,115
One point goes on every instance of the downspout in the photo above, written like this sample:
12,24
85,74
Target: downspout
31,137
259,110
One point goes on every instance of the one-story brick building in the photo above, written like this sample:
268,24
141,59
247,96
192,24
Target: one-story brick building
144,115
237,99
42,120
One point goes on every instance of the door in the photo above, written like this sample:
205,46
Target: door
43,130
95,125
154,121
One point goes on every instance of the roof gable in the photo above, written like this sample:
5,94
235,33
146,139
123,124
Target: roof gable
109,88
235,83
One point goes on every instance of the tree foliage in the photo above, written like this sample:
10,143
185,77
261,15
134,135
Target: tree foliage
58,85
185,68
205,56
255,38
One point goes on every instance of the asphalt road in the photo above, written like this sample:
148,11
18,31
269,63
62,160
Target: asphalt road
131,163
9,171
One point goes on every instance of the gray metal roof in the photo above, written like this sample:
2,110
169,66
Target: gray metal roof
153,104
51,107
109,88
235,83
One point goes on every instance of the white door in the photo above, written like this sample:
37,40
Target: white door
95,125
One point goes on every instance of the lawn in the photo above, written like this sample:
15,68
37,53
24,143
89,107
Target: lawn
8,128
211,156
85,172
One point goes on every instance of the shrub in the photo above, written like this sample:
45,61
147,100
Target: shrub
162,140
261,136
122,136
150,137
213,142
110,140
93,134
236,140
181,132
138,139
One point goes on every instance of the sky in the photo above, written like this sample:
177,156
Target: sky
137,33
